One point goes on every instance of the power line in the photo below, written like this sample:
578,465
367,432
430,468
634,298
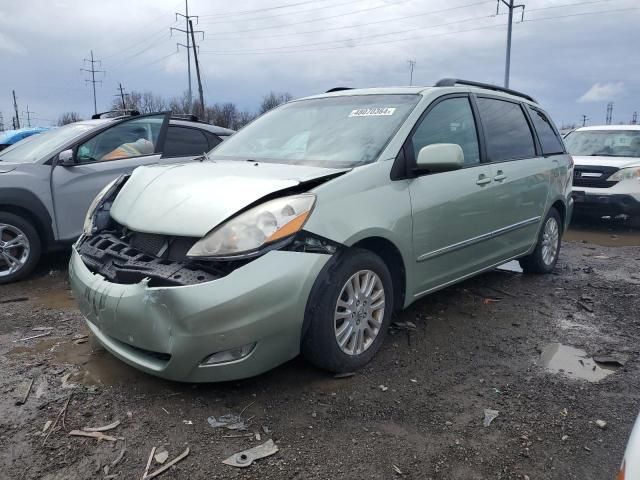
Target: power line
245,12
93,80
28,113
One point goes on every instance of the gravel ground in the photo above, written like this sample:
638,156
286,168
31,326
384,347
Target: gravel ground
416,412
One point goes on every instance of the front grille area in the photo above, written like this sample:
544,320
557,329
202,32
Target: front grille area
127,257
593,177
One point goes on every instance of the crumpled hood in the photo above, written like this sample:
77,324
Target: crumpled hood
618,162
192,198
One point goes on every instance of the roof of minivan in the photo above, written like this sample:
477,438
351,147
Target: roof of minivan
608,127
416,91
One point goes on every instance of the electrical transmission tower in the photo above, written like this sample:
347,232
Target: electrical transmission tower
189,45
28,114
16,119
412,64
511,7
609,113
584,120
122,94
634,118
93,80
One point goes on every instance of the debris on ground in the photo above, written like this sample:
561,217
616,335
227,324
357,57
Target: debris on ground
247,457
164,468
403,326
46,426
41,329
33,336
161,456
25,390
187,422
489,416
396,469
489,300
565,438
230,421
97,435
61,414
384,388
106,428
344,375
586,307
615,360
14,300
601,423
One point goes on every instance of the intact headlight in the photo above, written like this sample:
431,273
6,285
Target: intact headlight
262,225
89,220
625,174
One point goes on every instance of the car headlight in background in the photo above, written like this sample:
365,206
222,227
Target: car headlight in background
262,225
89,221
625,174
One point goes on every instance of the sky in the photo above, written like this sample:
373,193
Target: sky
573,56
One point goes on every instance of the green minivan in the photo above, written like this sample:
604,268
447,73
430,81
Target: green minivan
307,229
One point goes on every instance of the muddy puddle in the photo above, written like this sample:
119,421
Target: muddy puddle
573,363
57,300
608,233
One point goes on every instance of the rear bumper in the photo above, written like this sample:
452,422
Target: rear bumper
604,203
169,331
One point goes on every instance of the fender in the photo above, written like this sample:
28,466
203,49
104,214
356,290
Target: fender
20,200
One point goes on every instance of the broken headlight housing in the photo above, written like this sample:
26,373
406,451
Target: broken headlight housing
264,225
90,224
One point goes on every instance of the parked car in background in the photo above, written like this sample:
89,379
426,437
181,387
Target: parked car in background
9,137
47,182
305,230
606,179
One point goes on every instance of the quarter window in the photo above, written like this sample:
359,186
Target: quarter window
506,130
547,135
450,121
184,142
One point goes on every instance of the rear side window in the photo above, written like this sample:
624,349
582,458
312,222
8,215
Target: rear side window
182,141
506,130
549,140
450,121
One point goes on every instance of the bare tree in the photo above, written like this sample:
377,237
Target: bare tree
68,117
143,102
273,99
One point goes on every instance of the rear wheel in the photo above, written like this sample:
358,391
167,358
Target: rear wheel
19,247
348,312
545,256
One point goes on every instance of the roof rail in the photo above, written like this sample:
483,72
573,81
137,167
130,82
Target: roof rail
338,89
119,113
185,116
452,82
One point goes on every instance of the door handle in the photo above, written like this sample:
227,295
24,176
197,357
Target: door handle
483,180
500,176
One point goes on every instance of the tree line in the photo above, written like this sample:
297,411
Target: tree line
226,114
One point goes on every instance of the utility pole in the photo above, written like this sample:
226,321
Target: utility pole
195,58
28,113
1,122
16,122
584,120
412,64
609,113
93,80
634,119
511,7
122,94
187,19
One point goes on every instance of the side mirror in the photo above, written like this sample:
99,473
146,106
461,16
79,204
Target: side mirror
440,157
65,158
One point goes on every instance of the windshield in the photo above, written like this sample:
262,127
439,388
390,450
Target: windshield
42,145
608,143
343,131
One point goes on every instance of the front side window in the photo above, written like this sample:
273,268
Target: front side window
549,140
606,143
450,121
506,130
131,138
183,142
341,131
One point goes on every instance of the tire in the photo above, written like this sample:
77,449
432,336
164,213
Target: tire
545,256
27,251
324,318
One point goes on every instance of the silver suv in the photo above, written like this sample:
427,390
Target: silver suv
47,181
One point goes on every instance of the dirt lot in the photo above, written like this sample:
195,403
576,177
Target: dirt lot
416,412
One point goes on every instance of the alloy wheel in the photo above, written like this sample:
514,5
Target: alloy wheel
550,240
14,249
359,312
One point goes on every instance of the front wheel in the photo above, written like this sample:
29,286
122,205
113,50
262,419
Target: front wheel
545,256
19,247
348,312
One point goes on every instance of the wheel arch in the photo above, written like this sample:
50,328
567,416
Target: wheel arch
27,205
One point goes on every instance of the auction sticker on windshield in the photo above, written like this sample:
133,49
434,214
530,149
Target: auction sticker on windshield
372,112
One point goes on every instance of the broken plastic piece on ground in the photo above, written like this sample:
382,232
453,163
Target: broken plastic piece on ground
247,457
614,360
106,428
161,456
601,423
97,435
230,421
164,468
489,416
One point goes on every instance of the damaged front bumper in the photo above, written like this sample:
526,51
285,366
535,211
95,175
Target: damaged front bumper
170,331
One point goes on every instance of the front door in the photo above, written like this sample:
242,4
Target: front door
453,212
100,159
